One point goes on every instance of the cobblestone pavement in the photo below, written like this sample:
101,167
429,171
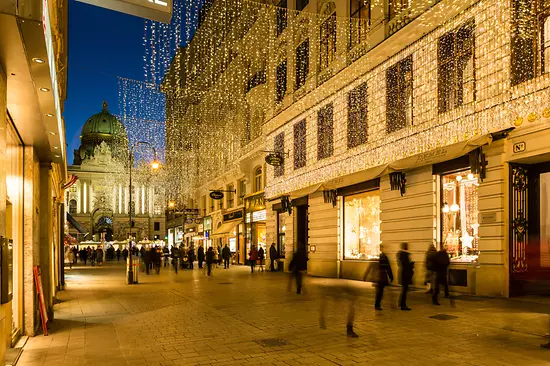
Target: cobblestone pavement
237,318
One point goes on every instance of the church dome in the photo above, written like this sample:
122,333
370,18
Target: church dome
103,123
99,128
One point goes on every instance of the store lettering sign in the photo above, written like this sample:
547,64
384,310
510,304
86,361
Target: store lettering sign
274,160
519,147
216,195
157,10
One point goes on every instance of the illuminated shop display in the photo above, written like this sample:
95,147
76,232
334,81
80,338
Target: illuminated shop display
459,215
362,225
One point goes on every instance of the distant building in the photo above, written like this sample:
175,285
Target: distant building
99,202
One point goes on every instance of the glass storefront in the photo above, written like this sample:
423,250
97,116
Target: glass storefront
281,232
256,230
362,225
459,215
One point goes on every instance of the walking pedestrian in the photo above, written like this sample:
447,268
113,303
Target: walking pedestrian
219,256
100,255
272,256
118,254
83,256
175,258
190,256
430,274
200,256
147,258
226,254
253,257
69,256
157,259
166,256
93,257
261,258
382,278
75,252
210,257
125,254
406,271
441,265
298,264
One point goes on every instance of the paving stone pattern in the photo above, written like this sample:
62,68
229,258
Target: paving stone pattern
238,318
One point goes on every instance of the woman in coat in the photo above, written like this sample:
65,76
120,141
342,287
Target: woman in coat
253,258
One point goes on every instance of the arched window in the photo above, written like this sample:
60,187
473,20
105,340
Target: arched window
258,181
72,206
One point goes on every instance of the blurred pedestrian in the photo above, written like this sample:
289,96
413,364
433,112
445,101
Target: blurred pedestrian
190,256
226,254
406,271
147,258
253,257
441,266
93,257
175,254
118,254
272,256
210,258
75,252
125,254
100,255
336,292
157,259
382,277
69,256
430,266
297,266
83,256
261,258
166,256
219,256
200,256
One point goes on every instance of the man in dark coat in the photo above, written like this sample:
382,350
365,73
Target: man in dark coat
226,255
200,256
190,256
210,258
298,264
147,257
406,270
383,277
272,256
442,262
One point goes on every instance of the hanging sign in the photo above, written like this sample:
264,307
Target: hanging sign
216,195
274,159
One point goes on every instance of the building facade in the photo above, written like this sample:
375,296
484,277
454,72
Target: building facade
33,60
99,201
419,122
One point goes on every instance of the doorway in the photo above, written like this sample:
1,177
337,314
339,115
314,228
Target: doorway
302,227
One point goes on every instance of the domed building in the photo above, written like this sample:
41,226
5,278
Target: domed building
99,203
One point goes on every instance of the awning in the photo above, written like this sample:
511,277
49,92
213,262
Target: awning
225,229
81,229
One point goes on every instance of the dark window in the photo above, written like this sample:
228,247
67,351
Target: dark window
72,206
328,41
230,196
281,17
255,80
325,132
281,81
455,54
258,180
301,4
279,147
399,95
302,63
357,116
360,21
242,191
397,6
300,144
156,226
530,39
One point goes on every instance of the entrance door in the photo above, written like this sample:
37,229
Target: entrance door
301,227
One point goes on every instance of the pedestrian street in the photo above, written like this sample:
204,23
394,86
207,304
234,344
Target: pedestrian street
238,318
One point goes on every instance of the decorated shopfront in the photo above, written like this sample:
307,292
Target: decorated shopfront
230,233
255,223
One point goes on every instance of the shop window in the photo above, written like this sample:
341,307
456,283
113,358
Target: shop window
327,41
282,20
281,231
220,202
281,81
362,225
302,64
230,196
357,116
360,21
258,179
301,4
397,6
300,144
72,206
325,133
530,39
279,147
156,226
399,95
455,58
459,217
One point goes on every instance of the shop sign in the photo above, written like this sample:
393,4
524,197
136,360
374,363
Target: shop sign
233,215
198,221
259,216
487,217
216,195
519,147
255,202
191,211
274,159
208,223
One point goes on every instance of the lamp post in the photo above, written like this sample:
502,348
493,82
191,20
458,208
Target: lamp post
154,166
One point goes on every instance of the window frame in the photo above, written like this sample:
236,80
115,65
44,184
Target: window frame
327,41
355,16
393,5
302,64
325,132
450,93
301,4
258,179
230,195
73,209
358,116
279,147
300,156
282,17
544,17
403,83
241,185
281,82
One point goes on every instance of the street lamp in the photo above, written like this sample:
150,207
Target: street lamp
155,165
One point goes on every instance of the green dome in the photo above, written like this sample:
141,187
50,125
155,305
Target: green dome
103,123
